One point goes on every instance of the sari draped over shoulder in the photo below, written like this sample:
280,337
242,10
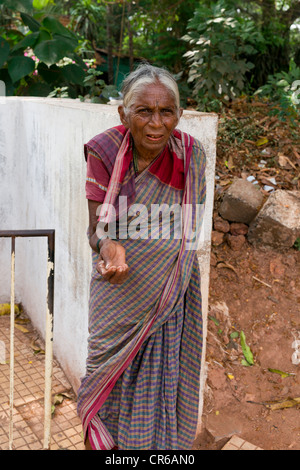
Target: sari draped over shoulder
141,388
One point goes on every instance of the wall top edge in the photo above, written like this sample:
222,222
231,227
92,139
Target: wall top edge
76,103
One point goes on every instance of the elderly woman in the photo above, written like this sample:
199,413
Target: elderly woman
141,385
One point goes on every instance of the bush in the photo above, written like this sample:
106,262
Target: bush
220,41
283,89
41,57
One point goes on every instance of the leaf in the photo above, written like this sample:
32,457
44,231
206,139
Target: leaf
29,21
19,5
40,4
22,320
5,309
55,27
222,264
28,41
39,89
291,402
4,51
216,322
19,67
52,75
246,350
36,348
109,91
52,51
245,363
21,328
44,35
285,162
282,374
261,141
58,399
73,74
234,335
67,395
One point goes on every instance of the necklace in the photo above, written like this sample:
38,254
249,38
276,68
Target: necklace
135,161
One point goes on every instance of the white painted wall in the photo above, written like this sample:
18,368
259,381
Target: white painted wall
42,186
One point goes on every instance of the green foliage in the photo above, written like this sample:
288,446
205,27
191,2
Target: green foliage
220,40
59,92
99,92
237,130
283,89
38,55
157,26
40,4
88,19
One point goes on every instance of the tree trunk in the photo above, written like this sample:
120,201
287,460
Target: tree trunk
130,37
269,13
277,56
109,45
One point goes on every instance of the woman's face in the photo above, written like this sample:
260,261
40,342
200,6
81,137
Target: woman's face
151,119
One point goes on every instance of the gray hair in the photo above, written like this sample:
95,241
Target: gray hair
147,74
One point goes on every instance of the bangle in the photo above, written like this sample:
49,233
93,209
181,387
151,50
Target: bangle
98,242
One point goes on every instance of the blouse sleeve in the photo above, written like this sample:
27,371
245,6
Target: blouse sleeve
97,177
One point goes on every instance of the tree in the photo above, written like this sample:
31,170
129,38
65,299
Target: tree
274,20
220,41
39,56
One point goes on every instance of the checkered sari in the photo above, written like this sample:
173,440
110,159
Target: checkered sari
141,388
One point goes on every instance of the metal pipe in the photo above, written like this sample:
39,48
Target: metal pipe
49,343
50,234
12,346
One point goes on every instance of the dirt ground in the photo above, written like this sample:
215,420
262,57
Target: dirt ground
236,395
256,291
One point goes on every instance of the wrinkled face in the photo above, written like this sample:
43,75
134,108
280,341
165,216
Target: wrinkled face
151,119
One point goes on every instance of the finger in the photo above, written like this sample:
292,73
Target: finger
120,276
113,274
108,274
99,268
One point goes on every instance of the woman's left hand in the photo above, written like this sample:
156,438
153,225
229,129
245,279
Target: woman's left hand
112,263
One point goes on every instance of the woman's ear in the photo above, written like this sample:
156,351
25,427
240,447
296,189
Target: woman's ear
122,115
179,114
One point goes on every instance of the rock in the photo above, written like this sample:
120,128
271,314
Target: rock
213,260
238,228
217,238
278,223
221,225
222,427
241,202
235,242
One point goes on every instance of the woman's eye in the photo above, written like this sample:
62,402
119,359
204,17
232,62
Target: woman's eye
145,111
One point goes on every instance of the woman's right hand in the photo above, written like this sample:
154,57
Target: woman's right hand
112,262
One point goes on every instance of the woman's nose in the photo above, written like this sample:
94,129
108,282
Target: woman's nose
156,119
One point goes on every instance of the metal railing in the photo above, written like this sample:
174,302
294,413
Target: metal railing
50,234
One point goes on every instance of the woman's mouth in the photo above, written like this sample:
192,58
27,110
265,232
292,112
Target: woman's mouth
154,137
